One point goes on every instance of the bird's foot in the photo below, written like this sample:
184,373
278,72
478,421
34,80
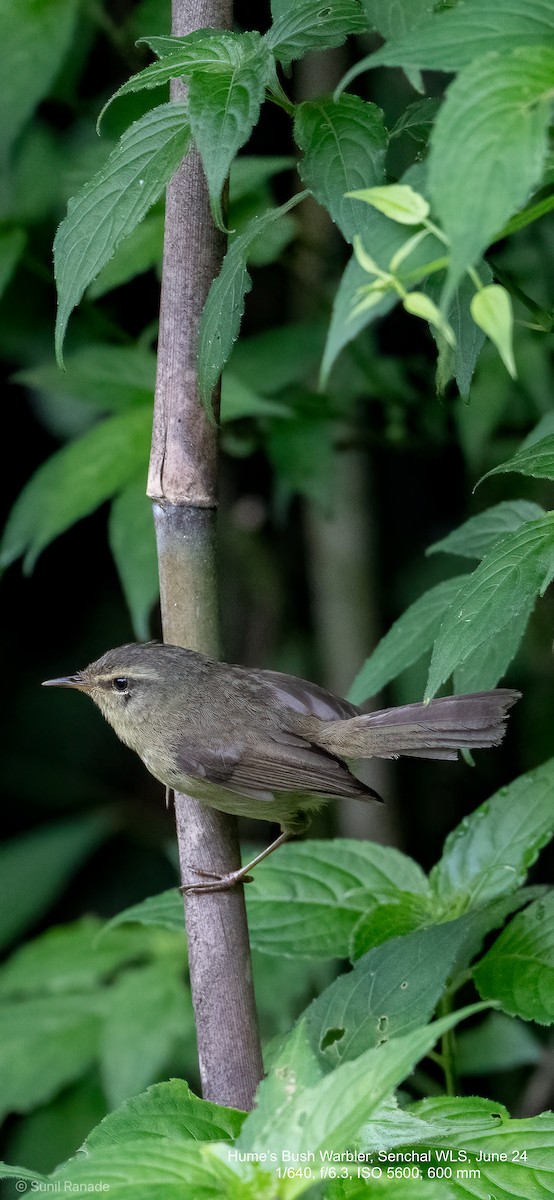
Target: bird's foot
214,883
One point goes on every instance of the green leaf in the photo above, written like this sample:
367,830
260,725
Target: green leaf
44,1044
498,1043
69,958
518,971
75,481
510,1160
36,35
166,1110
222,313
479,534
35,867
156,1167
149,1008
311,25
393,988
108,208
106,377
250,172
486,666
417,119
452,38
278,358
504,585
420,305
165,910
239,401
344,145
398,201
301,452
407,640
346,323
307,901
491,851
536,460
223,107
392,918
487,149
12,245
330,1114
491,309
7,1171
140,252
133,545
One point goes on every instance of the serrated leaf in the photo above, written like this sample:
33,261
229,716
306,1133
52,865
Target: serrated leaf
344,145
452,38
149,1007
488,663
166,1110
36,35
392,989
202,50
223,108
398,201
133,545
458,362
168,1167
384,919
141,251
48,856
479,534
518,971
487,149
491,309
44,1044
312,25
504,585
109,207
73,482
307,902
109,378
68,958
222,313
491,851
536,460
406,641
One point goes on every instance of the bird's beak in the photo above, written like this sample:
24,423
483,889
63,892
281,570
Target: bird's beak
69,681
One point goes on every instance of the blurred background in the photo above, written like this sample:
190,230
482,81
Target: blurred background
325,518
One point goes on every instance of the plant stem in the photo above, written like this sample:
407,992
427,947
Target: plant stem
182,484
447,1055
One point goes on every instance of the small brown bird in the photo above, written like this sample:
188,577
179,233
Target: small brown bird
263,744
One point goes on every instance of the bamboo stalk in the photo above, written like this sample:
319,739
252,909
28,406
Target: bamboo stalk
183,486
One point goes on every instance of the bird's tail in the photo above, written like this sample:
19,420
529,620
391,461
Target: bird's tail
437,729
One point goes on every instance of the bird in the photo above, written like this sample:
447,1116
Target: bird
263,744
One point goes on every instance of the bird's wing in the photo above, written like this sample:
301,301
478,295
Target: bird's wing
301,696
269,764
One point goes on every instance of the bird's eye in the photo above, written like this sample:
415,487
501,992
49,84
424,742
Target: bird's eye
120,684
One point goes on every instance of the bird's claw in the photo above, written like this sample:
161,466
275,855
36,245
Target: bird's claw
217,883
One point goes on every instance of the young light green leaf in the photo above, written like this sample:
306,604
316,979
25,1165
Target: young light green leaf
450,39
504,584
309,25
491,309
420,305
518,971
398,201
73,482
492,850
45,1043
404,251
344,145
366,262
109,207
48,856
307,902
223,107
133,545
536,460
224,306
393,988
458,362
487,149
36,35
166,1110
12,245
479,534
406,641
151,1008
